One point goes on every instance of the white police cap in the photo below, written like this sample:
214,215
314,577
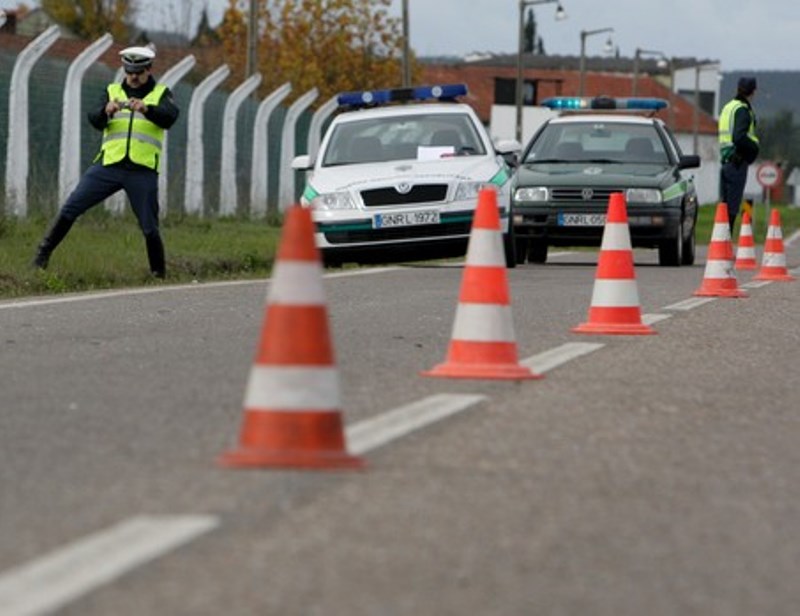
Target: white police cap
137,59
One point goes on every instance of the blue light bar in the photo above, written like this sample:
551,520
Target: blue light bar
575,103
371,98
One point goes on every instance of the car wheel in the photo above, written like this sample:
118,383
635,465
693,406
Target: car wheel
521,249
689,249
510,248
670,251
537,251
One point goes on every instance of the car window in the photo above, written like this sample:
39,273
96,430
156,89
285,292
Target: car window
609,142
417,137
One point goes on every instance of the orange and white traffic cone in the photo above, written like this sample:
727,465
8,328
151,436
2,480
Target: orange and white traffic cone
719,279
483,344
746,250
615,299
773,262
291,406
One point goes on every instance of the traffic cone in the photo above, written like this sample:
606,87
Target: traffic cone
291,405
615,299
773,262
746,250
483,344
719,279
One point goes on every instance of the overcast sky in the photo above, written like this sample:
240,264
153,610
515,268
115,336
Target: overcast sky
741,34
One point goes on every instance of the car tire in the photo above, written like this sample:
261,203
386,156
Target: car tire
510,248
521,249
670,250
689,248
537,251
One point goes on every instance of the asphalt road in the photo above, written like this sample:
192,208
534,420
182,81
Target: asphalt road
645,474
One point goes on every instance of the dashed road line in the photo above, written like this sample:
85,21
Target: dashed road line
689,304
652,318
559,355
52,581
372,433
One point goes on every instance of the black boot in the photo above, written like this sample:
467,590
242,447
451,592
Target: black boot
53,238
155,254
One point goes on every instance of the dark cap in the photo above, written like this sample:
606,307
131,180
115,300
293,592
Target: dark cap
746,85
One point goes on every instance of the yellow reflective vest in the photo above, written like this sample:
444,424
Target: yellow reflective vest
131,134
726,118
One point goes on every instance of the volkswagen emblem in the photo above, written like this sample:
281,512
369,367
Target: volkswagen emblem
403,188
587,194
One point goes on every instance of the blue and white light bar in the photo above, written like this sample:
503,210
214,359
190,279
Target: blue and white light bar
578,103
371,98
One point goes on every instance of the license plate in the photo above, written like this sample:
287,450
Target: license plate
581,220
404,219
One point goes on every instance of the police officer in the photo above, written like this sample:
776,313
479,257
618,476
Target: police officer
738,145
133,115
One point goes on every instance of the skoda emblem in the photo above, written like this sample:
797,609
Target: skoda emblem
587,194
403,188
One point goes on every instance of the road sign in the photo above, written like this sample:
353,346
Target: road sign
768,174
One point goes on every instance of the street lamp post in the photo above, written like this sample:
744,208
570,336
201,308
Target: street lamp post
406,54
584,35
560,14
667,61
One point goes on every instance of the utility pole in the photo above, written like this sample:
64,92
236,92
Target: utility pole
252,40
406,55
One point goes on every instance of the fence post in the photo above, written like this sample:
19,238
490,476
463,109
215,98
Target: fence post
193,195
286,187
259,166
70,152
18,151
228,193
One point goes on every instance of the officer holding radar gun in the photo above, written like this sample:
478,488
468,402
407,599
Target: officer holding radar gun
133,115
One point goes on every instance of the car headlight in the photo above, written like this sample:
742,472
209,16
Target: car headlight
466,191
643,195
333,201
532,194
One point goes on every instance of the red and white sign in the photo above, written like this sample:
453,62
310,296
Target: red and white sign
768,174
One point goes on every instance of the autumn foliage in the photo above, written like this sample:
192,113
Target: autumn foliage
333,45
90,19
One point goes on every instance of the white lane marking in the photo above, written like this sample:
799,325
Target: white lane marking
373,433
792,239
83,297
650,319
559,355
52,581
689,304
755,284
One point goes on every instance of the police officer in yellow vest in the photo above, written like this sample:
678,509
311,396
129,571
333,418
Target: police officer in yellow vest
133,115
738,145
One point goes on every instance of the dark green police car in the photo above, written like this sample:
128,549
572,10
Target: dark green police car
575,161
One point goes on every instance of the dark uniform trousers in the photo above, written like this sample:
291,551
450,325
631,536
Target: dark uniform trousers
733,178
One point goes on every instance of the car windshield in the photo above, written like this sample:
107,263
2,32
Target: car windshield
416,137
598,142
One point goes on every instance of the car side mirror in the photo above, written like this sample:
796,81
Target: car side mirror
691,161
510,150
302,163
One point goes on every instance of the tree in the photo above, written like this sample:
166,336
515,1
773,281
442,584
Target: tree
779,138
90,19
333,45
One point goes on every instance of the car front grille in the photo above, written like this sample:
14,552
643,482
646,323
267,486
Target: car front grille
585,194
420,193
399,233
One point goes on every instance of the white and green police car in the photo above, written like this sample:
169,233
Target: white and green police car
397,176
